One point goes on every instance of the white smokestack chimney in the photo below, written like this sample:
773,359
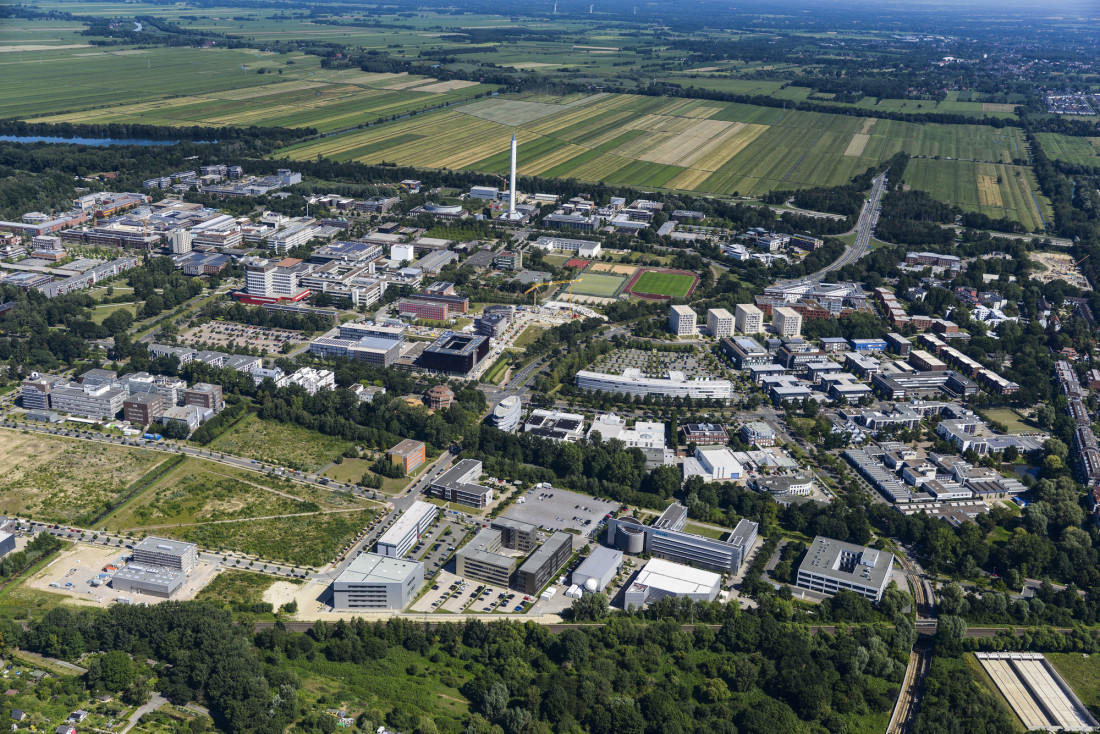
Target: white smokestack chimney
512,183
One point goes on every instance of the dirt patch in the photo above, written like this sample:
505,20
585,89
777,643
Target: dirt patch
868,125
989,191
998,107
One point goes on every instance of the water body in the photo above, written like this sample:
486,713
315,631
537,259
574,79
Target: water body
100,142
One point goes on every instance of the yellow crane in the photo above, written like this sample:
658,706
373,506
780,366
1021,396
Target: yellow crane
536,286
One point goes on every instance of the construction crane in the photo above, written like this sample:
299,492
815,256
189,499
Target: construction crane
1086,257
536,286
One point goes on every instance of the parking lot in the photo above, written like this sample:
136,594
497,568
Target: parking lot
217,334
437,545
454,594
558,509
653,364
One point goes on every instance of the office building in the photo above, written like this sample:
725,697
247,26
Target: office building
507,413
631,382
139,409
598,570
643,435
179,241
758,433
746,352
704,434
370,349
373,581
90,401
407,529
714,464
454,353
204,395
516,535
831,565
748,319
787,322
481,560
148,580
391,331
555,425
541,565
666,539
459,484
408,455
309,379
660,578
719,322
173,554
36,391
508,260
681,320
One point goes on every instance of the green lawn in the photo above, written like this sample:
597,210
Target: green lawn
598,284
529,336
1082,674
280,443
1014,422
350,470
102,312
663,284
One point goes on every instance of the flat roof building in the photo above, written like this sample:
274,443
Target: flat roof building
175,554
555,425
459,484
599,569
681,320
139,409
719,322
541,565
630,536
481,560
408,454
516,534
787,321
407,529
632,382
704,434
831,565
660,578
454,353
374,581
748,319
150,580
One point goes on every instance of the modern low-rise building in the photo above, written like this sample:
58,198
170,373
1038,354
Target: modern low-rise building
481,560
407,529
459,484
204,395
507,413
541,565
516,534
704,434
598,570
140,409
643,434
831,565
660,578
555,425
174,554
374,581
671,542
758,433
632,382
454,353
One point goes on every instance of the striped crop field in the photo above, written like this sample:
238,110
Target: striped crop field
993,189
219,88
1074,150
660,142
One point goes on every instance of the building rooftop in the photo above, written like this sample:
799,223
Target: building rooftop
408,520
546,551
406,447
847,562
676,578
164,545
374,568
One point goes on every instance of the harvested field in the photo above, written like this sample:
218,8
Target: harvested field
998,107
856,146
448,86
868,125
989,192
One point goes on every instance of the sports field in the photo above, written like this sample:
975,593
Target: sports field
993,189
598,284
662,283
671,143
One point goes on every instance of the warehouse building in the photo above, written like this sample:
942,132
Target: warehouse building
598,570
660,578
151,580
541,566
831,565
481,560
407,530
374,581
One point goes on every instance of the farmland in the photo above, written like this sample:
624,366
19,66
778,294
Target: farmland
214,87
659,283
993,189
1073,150
65,480
670,143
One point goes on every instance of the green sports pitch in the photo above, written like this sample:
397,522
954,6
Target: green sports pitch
656,283
598,284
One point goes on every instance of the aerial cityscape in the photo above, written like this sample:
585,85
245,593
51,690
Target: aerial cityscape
549,368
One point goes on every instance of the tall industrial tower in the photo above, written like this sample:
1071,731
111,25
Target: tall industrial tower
512,183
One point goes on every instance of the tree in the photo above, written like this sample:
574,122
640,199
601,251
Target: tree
950,631
113,671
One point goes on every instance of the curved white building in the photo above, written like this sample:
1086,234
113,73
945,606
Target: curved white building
507,413
631,382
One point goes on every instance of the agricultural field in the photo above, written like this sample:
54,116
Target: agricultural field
282,444
659,283
66,480
993,189
215,87
1073,150
598,284
669,143
199,491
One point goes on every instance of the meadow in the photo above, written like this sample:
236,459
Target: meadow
65,480
280,443
994,189
1074,150
658,142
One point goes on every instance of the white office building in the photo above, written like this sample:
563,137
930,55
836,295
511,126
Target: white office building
374,581
642,435
831,565
179,241
787,322
681,320
748,319
719,322
90,401
714,464
631,382
407,530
